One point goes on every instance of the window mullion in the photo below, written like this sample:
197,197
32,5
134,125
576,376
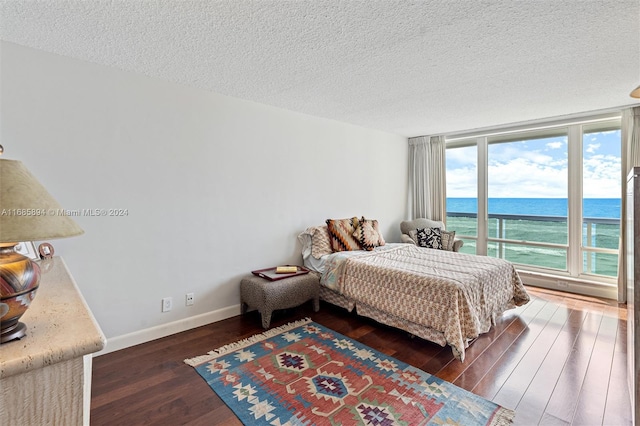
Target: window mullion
483,189
574,252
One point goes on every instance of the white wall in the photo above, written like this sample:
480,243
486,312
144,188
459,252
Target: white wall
214,186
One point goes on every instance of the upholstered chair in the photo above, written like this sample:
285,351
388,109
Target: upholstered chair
407,226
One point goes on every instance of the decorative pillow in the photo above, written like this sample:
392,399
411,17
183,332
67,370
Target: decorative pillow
448,238
430,238
413,234
341,234
320,242
368,235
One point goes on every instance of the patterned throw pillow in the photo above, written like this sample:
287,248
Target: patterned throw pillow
320,241
430,238
448,238
368,234
341,234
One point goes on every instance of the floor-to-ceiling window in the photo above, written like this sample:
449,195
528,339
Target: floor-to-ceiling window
462,193
546,198
601,182
527,199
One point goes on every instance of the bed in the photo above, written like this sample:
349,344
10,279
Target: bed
442,296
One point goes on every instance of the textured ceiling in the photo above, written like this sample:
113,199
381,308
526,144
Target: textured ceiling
407,67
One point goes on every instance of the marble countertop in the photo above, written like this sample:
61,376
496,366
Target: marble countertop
60,325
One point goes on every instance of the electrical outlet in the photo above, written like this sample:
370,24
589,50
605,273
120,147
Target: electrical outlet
167,304
189,299
563,284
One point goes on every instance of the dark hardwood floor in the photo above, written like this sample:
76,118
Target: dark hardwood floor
560,359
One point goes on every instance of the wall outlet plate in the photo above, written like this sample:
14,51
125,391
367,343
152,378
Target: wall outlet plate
189,299
167,304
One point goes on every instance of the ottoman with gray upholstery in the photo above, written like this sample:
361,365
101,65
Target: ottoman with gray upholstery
267,296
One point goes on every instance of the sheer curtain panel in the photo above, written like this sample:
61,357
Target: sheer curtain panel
630,158
427,183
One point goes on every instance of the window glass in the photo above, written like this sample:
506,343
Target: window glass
543,257
528,191
462,189
601,178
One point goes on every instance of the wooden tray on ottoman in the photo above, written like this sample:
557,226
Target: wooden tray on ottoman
271,275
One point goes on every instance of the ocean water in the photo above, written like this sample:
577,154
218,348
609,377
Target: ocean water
592,207
550,229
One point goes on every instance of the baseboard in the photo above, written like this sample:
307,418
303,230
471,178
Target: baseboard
570,285
164,330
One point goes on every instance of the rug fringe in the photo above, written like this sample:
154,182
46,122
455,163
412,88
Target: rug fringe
502,417
244,343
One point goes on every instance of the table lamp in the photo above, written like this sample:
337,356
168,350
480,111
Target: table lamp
27,213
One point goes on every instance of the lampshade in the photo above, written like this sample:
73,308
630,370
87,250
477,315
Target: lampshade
27,213
635,93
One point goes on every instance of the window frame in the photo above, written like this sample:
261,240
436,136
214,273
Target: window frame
575,129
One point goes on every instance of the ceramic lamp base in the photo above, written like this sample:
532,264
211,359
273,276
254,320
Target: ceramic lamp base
19,279
17,332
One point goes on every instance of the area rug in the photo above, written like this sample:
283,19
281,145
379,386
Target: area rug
306,374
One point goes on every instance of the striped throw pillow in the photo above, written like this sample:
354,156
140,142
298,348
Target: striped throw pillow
341,234
368,234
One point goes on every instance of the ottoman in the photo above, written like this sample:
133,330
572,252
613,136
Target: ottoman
267,296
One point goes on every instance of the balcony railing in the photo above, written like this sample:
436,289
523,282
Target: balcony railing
543,240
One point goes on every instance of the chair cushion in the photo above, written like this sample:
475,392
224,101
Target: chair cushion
421,223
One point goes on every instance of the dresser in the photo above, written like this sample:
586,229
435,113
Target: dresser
45,378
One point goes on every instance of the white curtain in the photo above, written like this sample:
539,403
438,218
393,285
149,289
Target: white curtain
427,182
630,133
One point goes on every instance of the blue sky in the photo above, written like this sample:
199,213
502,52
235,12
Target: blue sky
538,168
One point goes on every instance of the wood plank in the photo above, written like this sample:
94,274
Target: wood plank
468,374
593,393
503,369
618,406
535,399
514,388
564,399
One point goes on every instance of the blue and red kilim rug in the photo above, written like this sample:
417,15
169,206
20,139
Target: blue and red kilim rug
306,374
